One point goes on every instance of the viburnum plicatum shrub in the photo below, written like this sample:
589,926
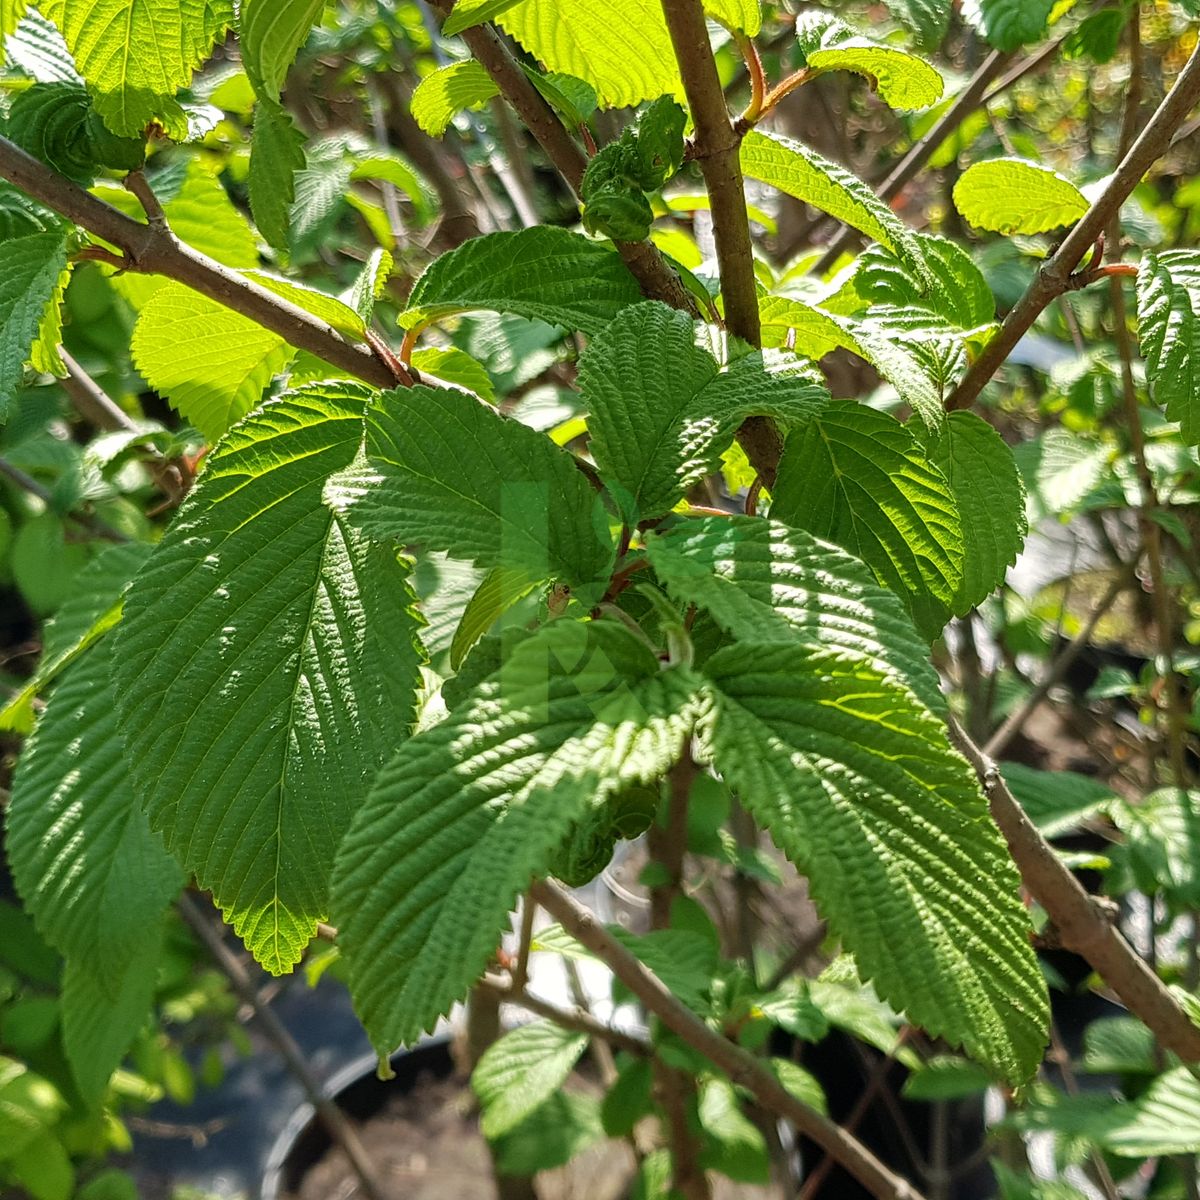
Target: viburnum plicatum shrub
241,698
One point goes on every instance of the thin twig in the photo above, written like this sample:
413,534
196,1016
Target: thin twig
739,1064
332,1117
1082,924
155,250
1052,279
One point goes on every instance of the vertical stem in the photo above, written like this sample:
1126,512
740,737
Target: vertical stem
718,147
668,844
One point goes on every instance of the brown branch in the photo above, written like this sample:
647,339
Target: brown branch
1082,924
91,401
740,1065
1052,280
153,249
331,1116
645,263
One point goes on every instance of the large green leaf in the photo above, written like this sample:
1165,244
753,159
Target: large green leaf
1168,295
857,477
793,168
1010,195
270,34
545,273
1009,24
664,406
210,362
136,54
763,581
621,47
30,268
87,866
440,97
522,1070
902,80
104,1010
854,780
276,155
985,484
266,668
448,471
469,811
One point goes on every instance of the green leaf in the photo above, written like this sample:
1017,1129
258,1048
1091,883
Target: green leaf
468,13
928,19
43,1169
1060,468
501,588
986,487
765,582
440,97
745,15
335,313
104,1010
802,1084
1010,195
620,47
448,471
1057,802
523,1070
30,267
902,80
91,609
266,669
946,1078
855,782
802,173
736,1147
1120,1046
470,810
1009,24
859,478
136,54
545,273
628,1100
1168,298
553,1134
209,361
451,365
665,404
276,155
271,33
1162,843
370,284
84,859
1165,1121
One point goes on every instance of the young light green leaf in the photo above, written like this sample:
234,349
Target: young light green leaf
521,1071
266,668
1168,297
470,810
85,862
545,274
986,486
1009,24
902,80
30,268
210,362
1162,843
103,1011
271,33
276,155
664,407
90,611
621,47
1060,468
468,13
370,284
745,15
136,54
763,581
1010,195
793,168
452,365
736,1147
854,780
336,313
440,97
445,470
501,588
1164,1121
35,45
857,477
